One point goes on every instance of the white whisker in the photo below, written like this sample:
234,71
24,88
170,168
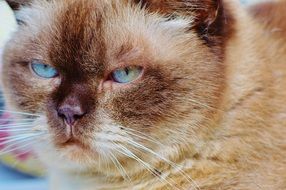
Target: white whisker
15,127
17,130
7,140
17,124
18,119
149,138
123,150
19,113
131,142
119,166
7,151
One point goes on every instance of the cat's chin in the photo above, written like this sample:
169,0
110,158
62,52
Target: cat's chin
74,144
77,151
69,159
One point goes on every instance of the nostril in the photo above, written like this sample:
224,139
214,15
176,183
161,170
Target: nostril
60,114
78,116
70,114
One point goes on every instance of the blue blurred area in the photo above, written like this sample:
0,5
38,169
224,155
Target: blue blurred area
11,175
12,180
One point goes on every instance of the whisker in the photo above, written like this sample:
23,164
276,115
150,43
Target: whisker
119,166
12,141
145,165
131,142
18,119
130,154
15,125
7,140
17,130
18,123
19,113
149,138
7,151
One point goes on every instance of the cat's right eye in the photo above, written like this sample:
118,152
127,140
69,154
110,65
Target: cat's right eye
43,70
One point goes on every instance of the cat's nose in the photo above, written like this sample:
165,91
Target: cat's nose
70,113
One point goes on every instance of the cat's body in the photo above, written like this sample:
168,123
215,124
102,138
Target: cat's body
211,116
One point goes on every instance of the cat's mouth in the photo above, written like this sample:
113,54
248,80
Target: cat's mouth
73,142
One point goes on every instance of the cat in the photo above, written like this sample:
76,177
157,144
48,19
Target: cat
152,94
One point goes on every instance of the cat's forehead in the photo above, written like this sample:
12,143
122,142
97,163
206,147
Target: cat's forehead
94,32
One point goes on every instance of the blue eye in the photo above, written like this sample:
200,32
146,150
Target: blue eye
127,74
43,70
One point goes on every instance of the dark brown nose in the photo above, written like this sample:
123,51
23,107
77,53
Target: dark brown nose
70,113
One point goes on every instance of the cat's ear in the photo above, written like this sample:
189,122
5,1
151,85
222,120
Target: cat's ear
211,18
17,4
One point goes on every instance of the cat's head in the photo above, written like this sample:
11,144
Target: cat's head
118,79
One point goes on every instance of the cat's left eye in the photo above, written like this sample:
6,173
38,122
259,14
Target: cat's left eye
43,70
127,74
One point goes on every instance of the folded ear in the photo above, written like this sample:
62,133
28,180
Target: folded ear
211,18
16,4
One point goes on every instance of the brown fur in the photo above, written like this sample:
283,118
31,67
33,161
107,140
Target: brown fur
212,93
269,14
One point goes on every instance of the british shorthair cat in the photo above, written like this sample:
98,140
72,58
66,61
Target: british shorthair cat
152,94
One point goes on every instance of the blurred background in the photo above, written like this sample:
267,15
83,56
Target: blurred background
11,179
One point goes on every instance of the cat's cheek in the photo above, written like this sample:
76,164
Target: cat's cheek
55,82
105,86
52,84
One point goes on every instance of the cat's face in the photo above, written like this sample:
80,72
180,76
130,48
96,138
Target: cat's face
112,79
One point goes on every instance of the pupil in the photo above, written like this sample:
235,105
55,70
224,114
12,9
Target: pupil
126,71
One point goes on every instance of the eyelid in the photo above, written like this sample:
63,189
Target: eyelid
121,65
40,61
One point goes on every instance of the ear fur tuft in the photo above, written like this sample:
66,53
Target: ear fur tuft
16,4
212,19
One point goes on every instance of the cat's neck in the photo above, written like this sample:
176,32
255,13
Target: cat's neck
247,57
